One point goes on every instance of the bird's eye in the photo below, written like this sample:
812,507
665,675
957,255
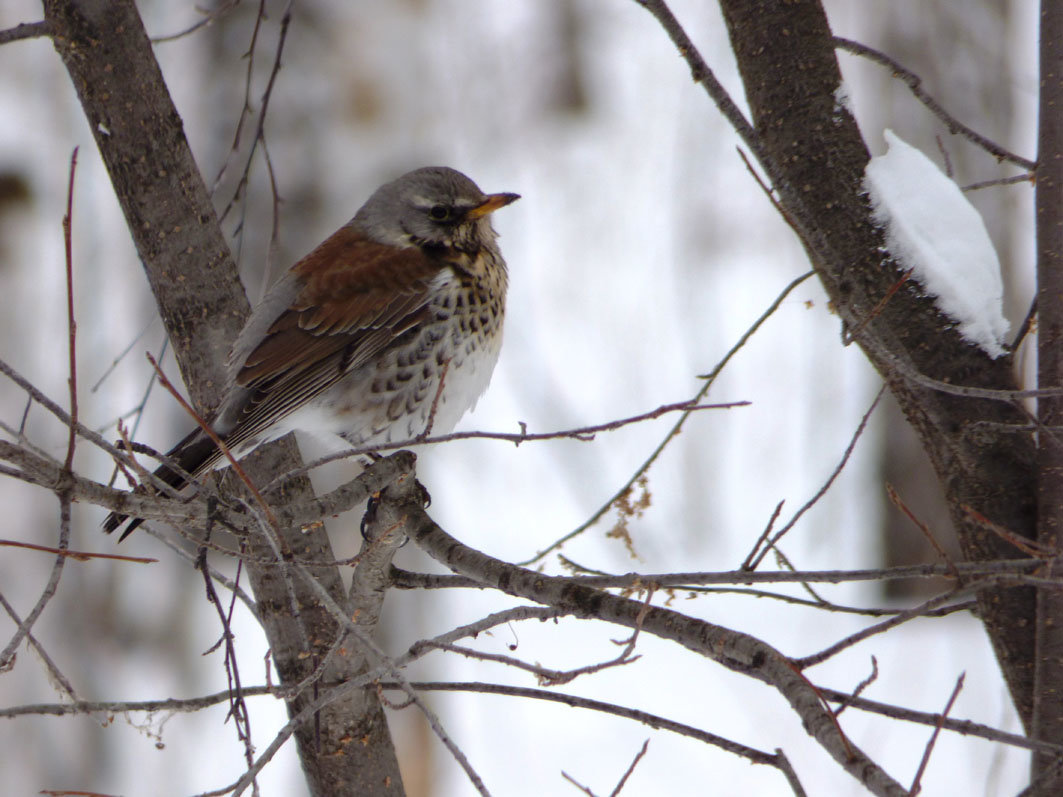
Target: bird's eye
439,213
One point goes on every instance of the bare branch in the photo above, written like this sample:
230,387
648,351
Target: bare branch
630,769
732,649
709,378
1017,569
27,30
50,665
582,433
209,18
915,84
916,785
879,628
860,687
68,251
811,502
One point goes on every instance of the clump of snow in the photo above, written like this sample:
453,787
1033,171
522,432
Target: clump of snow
842,101
932,229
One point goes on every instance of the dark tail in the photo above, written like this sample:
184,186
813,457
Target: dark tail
193,454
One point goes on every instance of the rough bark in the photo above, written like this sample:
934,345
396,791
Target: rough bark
815,156
1048,701
347,750
202,302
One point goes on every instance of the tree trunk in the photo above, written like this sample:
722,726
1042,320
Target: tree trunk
1048,701
815,157
139,133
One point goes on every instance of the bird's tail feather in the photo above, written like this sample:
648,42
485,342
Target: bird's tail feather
193,455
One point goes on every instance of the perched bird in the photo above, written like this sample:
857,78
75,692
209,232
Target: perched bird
392,322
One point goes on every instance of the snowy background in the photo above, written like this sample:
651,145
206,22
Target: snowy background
640,252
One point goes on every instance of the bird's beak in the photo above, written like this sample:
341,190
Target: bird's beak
491,204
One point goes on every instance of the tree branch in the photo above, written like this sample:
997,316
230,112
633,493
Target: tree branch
1048,675
170,216
735,650
786,56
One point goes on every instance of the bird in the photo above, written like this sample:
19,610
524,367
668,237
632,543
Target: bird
387,330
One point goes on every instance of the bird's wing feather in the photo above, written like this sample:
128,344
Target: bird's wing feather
355,296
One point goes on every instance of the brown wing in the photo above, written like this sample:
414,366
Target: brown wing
357,297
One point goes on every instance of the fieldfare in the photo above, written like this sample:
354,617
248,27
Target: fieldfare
393,324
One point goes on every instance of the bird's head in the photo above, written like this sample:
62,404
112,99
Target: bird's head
433,206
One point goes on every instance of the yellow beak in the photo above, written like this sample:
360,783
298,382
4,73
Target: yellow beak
491,204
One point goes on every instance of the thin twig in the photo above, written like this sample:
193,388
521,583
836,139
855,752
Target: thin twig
435,401
584,434
68,250
551,677
577,784
944,156
51,666
630,769
118,359
851,334
222,447
860,687
879,628
896,500
823,489
698,397
64,488
237,705
260,128
775,203
914,83
1026,326
81,556
817,602
27,30
1028,177
746,565
651,720
1030,547
209,18
916,785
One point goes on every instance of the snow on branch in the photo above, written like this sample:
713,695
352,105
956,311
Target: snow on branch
933,230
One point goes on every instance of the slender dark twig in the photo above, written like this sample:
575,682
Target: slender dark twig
1028,177
80,556
877,628
898,502
914,83
64,489
860,687
237,705
756,560
52,667
267,94
209,18
710,379
582,433
27,30
630,769
916,785
68,248
237,468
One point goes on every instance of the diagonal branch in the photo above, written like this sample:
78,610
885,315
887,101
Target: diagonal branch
734,650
